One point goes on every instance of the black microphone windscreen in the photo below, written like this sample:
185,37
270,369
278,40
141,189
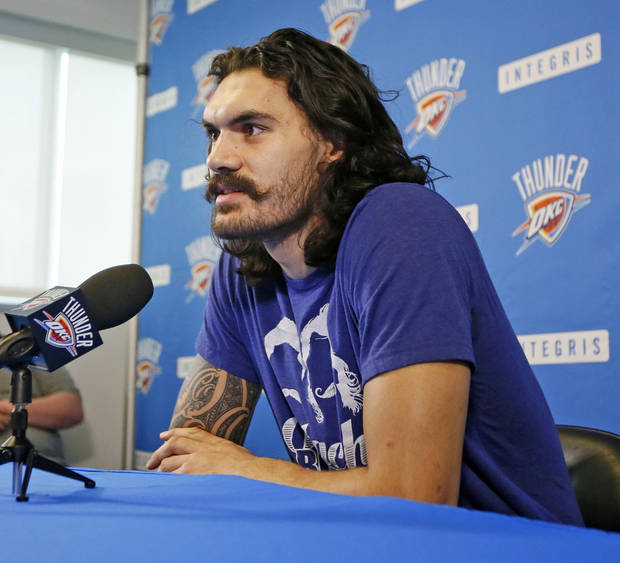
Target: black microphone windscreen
116,294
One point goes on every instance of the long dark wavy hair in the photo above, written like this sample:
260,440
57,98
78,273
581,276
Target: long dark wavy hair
344,107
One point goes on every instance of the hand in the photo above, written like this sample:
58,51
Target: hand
196,451
5,413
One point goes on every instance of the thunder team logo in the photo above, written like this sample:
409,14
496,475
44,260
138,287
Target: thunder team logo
149,351
155,173
202,255
69,329
161,16
60,332
344,18
43,299
205,84
550,188
434,90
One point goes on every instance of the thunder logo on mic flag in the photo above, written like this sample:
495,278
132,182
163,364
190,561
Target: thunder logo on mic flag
63,323
61,326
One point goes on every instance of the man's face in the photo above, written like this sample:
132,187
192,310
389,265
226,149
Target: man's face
263,160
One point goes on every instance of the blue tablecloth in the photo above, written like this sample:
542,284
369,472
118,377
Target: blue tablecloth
139,516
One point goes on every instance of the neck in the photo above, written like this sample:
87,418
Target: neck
289,252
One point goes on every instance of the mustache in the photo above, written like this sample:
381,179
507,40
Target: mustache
216,182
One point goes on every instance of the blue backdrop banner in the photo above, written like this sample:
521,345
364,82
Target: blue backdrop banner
514,101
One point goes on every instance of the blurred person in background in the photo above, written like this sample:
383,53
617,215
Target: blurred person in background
56,405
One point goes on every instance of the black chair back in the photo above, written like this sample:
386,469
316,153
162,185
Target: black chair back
593,460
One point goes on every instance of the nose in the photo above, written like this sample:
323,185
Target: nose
224,154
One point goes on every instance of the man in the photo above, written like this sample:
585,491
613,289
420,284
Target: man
358,301
56,405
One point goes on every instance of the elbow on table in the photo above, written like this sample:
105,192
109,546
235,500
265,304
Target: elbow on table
407,486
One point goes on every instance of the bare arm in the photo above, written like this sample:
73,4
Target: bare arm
216,401
414,423
56,411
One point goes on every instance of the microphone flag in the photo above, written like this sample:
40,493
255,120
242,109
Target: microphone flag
61,325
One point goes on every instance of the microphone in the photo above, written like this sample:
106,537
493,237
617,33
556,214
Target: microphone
116,294
63,323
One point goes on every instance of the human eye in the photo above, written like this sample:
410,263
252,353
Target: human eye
212,133
252,129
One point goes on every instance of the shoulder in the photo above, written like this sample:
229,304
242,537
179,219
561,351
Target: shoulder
409,231
53,381
405,210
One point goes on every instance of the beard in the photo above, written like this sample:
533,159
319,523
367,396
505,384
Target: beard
275,211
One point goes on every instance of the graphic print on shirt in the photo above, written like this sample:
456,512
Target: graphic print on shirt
346,386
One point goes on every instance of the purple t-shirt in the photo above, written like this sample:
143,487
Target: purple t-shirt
409,286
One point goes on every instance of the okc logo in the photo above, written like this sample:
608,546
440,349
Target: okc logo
549,188
145,373
60,332
34,303
205,90
205,84
151,196
201,276
433,112
149,351
45,298
434,91
344,18
155,173
202,255
162,16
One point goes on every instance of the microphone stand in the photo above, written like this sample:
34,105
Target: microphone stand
18,449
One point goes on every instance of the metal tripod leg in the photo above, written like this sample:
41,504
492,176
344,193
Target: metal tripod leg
26,479
25,455
18,449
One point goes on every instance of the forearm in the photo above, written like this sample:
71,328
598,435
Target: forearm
359,481
215,401
55,412
348,481
195,451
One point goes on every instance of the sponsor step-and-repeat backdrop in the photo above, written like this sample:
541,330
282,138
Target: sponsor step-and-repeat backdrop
513,101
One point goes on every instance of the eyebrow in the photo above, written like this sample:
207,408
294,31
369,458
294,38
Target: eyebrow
242,118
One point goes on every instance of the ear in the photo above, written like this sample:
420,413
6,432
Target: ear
329,153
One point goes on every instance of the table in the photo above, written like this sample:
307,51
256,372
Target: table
144,516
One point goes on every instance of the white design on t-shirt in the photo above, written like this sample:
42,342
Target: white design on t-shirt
286,333
305,450
347,384
339,455
292,393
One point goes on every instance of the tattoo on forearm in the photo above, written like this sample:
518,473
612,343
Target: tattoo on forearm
216,401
